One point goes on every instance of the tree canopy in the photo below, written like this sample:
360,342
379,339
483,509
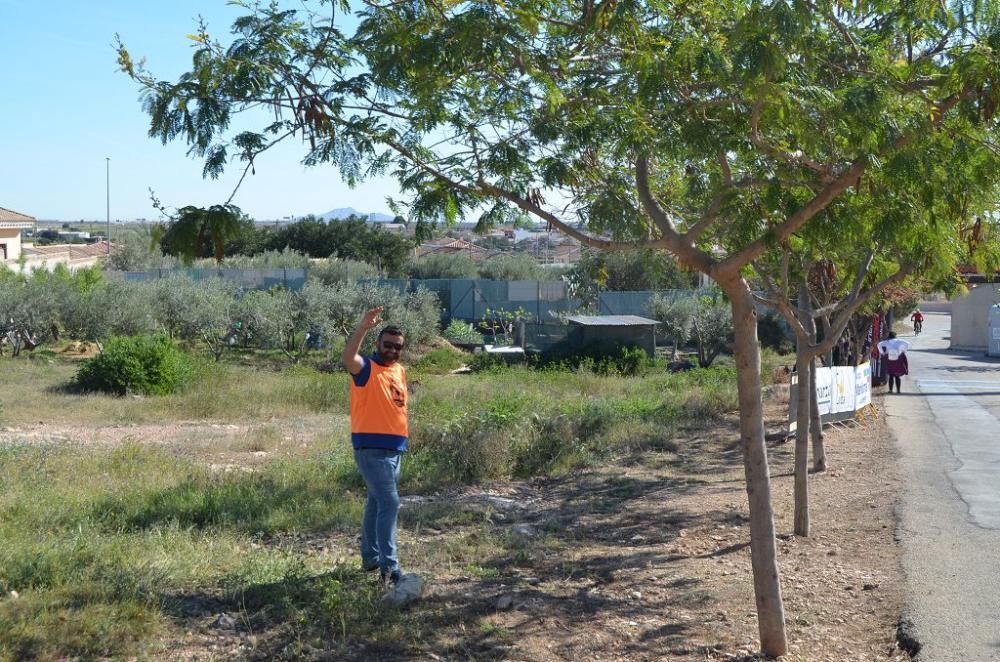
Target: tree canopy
727,132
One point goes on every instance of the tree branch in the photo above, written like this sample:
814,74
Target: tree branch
795,159
833,189
681,247
531,207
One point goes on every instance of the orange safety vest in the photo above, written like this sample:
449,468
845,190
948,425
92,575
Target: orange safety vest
378,406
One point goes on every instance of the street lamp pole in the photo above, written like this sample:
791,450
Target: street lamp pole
107,180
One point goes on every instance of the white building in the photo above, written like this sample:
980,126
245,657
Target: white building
12,224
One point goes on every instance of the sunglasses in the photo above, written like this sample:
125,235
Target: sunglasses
398,346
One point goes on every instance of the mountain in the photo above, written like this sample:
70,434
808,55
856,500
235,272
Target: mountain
341,213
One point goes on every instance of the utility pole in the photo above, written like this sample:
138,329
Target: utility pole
107,181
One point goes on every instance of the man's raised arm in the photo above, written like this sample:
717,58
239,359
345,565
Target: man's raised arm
352,359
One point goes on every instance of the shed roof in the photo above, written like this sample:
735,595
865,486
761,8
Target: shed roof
611,320
12,219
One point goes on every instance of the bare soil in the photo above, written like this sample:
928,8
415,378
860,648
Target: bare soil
221,445
657,567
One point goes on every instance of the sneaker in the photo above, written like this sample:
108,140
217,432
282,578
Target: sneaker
392,578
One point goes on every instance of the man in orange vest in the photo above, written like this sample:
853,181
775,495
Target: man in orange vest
379,432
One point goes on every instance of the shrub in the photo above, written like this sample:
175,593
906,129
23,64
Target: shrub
150,365
513,267
336,270
623,360
486,362
442,266
440,361
459,332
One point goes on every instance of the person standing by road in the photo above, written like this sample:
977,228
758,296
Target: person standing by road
379,432
893,352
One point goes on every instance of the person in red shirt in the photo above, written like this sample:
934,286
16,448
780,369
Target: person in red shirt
918,321
379,434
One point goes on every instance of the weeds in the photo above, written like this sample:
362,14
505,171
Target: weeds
104,548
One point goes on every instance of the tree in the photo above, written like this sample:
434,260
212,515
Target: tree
598,271
351,238
513,267
713,131
442,265
711,328
675,316
195,310
187,234
926,240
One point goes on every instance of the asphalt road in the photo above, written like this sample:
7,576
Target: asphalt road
946,424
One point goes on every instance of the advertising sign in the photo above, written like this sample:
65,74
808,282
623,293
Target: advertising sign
840,393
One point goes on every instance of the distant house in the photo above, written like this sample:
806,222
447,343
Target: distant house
452,247
12,223
72,256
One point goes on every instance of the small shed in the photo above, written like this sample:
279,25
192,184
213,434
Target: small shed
615,330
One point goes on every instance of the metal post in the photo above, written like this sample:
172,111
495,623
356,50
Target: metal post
107,181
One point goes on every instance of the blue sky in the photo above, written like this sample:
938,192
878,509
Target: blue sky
65,108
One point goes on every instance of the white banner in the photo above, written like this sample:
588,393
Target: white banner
840,392
843,389
862,386
824,391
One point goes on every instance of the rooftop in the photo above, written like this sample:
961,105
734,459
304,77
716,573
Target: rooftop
12,219
611,320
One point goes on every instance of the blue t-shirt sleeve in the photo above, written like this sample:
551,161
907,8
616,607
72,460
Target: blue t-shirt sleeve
361,378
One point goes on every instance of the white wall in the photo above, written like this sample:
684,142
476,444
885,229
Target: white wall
969,315
11,238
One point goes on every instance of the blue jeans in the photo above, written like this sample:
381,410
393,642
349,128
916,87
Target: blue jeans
380,469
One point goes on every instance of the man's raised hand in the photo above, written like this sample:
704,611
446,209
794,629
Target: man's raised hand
371,318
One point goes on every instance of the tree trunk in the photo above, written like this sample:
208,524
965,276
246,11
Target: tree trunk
862,327
763,549
803,359
816,423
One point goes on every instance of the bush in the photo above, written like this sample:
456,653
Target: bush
334,270
461,333
486,362
513,267
440,361
623,360
150,365
442,266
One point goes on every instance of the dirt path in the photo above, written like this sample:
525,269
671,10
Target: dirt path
654,567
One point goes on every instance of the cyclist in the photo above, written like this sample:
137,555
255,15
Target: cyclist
918,321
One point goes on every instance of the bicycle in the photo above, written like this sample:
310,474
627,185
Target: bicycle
918,325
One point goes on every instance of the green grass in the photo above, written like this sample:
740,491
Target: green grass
105,539
104,546
33,391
